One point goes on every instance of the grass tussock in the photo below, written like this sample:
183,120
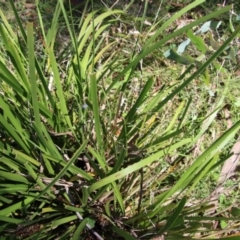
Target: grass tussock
117,125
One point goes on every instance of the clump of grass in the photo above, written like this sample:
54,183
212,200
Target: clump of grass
94,145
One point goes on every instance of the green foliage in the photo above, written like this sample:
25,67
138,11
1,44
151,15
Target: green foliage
81,153
200,48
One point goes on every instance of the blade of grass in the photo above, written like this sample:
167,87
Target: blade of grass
11,209
101,161
175,117
32,75
10,220
11,131
61,221
11,80
13,177
118,196
80,229
96,113
174,216
59,90
123,233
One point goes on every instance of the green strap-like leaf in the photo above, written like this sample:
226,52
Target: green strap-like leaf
174,216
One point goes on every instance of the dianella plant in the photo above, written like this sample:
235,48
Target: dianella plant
92,146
